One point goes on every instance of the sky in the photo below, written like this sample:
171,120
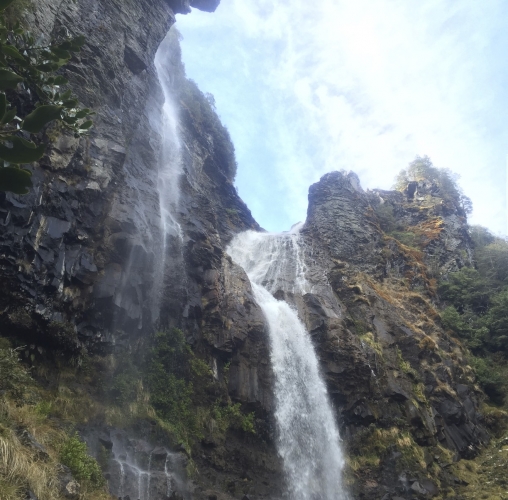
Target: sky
305,88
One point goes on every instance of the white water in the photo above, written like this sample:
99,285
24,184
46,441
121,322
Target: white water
170,266
308,439
170,168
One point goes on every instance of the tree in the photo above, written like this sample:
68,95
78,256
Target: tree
32,96
422,169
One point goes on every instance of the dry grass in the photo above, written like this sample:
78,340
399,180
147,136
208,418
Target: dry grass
22,469
25,468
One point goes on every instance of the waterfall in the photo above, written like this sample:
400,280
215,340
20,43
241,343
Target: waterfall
307,436
170,264
170,166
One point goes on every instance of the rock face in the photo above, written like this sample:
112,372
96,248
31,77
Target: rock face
390,367
81,254
87,268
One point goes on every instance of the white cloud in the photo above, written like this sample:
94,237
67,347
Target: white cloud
306,88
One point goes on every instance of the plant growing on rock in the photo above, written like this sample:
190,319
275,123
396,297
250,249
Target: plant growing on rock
14,377
83,467
31,96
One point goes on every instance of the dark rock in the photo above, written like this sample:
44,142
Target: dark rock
206,5
106,442
133,61
69,487
28,440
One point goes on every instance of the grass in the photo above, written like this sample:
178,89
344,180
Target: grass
485,475
368,338
25,407
373,444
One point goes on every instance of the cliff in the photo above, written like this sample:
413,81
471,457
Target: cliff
104,251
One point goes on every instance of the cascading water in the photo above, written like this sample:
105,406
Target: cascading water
308,438
170,263
171,152
139,471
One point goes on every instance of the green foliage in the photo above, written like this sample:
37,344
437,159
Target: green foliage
199,109
14,377
404,366
183,394
231,415
171,370
27,68
489,377
123,388
422,169
386,217
492,262
83,466
478,298
205,117
43,408
477,310
405,237
466,289
468,326
497,321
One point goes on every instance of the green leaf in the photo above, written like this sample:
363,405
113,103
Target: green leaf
86,125
5,3
60,53
9,116
81,114
77,43
12,51
15,180
66,95
47,67
61,80
3,105
22,151
41,116
65,45
70,119
8,79
70,103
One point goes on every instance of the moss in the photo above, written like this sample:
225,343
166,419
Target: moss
360,327
419,392
495,419
404,366
372,445
231,416
368,338
407,238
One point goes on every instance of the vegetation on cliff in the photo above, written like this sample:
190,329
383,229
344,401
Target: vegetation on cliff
32,95
35,439
477,310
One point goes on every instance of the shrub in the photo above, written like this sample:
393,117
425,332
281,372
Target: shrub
83,466
170,372
466,288
490,378
231,415
14,377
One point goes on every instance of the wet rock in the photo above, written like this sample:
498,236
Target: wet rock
69,487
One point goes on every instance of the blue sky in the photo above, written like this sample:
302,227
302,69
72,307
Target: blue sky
309,87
